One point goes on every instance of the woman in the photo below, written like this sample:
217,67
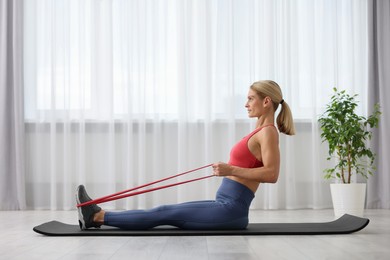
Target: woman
253,160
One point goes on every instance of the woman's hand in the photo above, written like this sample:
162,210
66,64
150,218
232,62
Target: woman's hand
222,169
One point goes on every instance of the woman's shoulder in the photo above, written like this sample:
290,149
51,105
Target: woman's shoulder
268,132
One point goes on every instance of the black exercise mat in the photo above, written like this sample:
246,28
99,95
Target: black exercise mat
344,225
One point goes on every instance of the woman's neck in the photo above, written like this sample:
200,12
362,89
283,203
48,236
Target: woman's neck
263,120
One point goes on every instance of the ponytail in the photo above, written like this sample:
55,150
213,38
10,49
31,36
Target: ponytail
285,120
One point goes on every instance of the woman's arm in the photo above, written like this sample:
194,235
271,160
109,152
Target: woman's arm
268,140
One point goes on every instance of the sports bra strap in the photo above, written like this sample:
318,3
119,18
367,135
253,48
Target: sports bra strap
258,129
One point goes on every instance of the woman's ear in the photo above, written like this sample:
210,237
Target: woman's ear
267,101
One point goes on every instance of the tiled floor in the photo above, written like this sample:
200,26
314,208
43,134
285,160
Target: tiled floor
18,241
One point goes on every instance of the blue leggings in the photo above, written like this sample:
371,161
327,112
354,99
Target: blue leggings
228,211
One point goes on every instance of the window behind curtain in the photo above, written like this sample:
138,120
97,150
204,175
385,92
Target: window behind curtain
100,60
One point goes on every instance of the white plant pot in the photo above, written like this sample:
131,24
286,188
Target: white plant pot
348,198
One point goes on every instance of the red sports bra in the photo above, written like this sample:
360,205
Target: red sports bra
241,156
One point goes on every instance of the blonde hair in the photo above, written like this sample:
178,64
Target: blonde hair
269,88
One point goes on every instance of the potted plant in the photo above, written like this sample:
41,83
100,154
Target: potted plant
346,134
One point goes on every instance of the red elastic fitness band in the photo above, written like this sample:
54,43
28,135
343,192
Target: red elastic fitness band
129,193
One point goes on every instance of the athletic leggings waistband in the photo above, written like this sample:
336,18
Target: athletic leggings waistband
235,191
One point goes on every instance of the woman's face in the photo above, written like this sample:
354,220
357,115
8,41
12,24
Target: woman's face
254,105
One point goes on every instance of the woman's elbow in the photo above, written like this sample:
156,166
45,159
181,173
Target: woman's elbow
274,177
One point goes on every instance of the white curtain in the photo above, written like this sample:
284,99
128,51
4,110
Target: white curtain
120,93
12,182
